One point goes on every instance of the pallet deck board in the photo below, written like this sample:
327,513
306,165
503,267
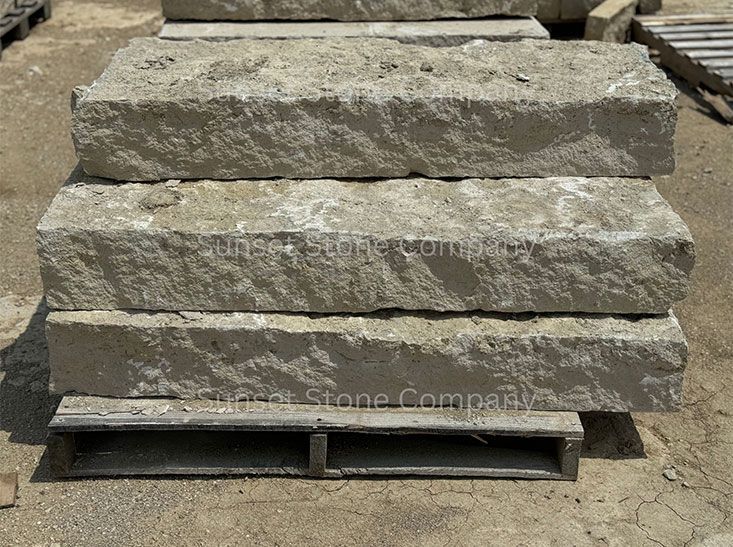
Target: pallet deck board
717,62
701,44
685,19
91,436
701,27
703,35
684,42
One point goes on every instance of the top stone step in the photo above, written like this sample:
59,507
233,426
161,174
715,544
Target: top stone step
343,10
375,108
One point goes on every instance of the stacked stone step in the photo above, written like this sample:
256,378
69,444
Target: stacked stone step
422,22
361,220
343,10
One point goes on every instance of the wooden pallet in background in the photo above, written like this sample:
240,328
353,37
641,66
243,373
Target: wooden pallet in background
699,48
16,24
8,489
93,437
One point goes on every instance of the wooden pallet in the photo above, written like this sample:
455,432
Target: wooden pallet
92,437
699,48
16,25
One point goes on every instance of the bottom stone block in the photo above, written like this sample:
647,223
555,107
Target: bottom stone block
549,362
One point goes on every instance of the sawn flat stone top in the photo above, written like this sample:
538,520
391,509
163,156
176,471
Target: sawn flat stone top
412,208
151,69
444,33
424,329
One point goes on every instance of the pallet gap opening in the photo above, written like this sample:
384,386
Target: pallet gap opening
190,452
198,452
355,454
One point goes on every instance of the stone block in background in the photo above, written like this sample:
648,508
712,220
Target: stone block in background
611,21
424,33
343,10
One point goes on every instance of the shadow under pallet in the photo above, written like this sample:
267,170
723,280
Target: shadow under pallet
95,437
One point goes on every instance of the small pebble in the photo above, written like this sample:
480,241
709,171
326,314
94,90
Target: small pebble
426,67
191,315
670,474
522,77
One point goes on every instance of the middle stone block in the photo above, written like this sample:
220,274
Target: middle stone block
602,245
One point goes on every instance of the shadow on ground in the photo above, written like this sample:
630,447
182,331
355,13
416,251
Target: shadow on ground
611,436
25,403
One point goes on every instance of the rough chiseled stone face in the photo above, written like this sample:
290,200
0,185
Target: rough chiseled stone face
343,10
375,108
424,33
579,363
560,244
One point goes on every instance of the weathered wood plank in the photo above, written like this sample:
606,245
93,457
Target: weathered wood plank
724,73
8,489
672,29
101,414
717,63
706,35
569,455
658,20
709,53
318,454
701,44
62,453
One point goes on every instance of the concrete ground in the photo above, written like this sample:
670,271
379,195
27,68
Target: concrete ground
621,498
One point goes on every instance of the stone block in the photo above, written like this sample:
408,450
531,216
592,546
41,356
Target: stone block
375,108
512,245
425,33
611,21
343,10
578,363
649,6
548,11
577,10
